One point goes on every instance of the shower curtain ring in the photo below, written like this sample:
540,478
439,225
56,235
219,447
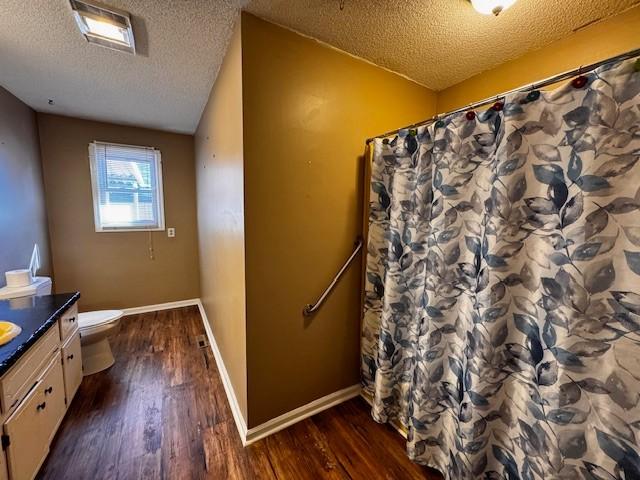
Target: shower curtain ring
498,105
580,81
533,95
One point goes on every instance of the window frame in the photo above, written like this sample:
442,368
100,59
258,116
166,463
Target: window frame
95,192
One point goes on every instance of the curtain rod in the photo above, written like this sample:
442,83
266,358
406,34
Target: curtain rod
531,86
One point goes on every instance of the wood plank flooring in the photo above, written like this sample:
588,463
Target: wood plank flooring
161,413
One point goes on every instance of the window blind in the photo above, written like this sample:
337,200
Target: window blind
127,187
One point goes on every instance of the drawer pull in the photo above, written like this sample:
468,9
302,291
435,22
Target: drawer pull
70,357
72,319
41,406
48,391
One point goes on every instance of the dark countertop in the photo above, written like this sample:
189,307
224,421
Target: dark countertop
35,315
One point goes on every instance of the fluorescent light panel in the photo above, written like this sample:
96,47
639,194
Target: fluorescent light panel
106,30
104,26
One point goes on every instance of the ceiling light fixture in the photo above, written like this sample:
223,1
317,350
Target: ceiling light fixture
491,7
104,26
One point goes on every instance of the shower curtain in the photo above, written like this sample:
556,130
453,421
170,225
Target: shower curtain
502,290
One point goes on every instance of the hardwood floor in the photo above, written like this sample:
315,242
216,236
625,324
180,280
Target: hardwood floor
161,412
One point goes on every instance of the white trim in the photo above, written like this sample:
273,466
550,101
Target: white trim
287,419
241,424
160,306
248,436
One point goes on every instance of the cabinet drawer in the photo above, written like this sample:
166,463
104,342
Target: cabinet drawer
33,424
20,378
69,322
72,366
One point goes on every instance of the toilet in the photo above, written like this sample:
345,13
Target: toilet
95,327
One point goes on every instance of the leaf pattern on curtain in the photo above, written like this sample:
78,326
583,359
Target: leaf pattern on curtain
502,295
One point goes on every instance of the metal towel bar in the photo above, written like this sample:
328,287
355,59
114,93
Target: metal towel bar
309,309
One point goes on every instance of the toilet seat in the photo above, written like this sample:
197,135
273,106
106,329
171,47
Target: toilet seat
93,322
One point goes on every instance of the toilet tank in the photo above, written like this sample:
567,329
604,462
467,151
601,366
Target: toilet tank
40,286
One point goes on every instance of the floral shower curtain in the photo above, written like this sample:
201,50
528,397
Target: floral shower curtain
502,295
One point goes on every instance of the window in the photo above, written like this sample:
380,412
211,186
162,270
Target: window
127,187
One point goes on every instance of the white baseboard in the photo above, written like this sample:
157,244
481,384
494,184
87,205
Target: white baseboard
241,424
287,419
275,424
271,426
160,306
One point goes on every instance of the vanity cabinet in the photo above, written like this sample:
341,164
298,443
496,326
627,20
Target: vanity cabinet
31,427
35,393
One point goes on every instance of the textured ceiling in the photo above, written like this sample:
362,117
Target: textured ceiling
438,43
181,44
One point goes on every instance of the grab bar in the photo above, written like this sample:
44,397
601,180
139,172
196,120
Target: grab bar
309,309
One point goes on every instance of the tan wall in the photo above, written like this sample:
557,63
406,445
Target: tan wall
307,112
602,40
23,219
219,172
113,269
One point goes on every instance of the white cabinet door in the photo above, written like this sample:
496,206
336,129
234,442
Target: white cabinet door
33,424
28,446
53,394
72,365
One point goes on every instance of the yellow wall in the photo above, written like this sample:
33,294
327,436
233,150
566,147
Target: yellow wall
23,219
113,269
219,172
307,112
602,40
